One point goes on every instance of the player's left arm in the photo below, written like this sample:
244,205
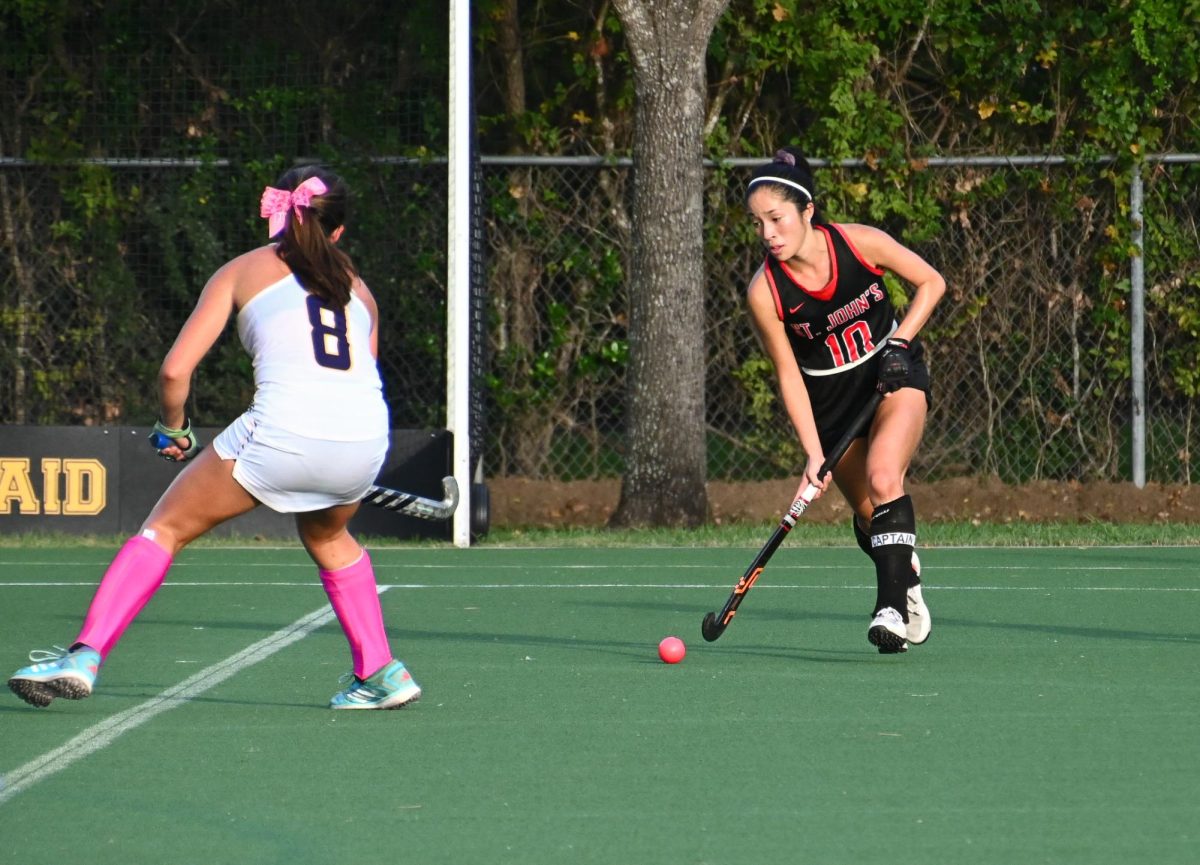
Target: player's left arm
882,250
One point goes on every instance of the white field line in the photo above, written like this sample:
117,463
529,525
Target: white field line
703,586
499,548
104,733
101,735
178,567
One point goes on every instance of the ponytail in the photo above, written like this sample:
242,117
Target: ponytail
306,205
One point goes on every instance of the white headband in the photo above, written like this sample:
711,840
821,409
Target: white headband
782,180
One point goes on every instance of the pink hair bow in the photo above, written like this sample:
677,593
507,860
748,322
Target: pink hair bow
277,203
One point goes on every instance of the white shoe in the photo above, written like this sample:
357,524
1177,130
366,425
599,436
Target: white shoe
919,623
888,632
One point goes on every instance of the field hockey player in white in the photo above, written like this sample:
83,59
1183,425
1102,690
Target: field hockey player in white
311,444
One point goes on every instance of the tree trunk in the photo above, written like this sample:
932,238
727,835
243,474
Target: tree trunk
665,468
508,40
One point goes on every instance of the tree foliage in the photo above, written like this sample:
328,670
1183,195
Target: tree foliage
99,261
851,78
897,83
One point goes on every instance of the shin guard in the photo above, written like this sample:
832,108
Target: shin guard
132,578
355,599
893,536
864,543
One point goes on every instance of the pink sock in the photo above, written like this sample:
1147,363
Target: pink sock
355,599
134,575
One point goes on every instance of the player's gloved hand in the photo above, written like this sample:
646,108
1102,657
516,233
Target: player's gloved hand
163,437
895,365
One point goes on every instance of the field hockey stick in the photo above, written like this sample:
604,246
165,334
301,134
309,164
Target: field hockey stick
414,505
714,624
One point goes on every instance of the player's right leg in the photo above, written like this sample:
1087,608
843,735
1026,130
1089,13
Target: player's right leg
887,630
391,687
377,680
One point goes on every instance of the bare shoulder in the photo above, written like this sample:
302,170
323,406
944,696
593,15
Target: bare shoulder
251,258
257,264
249,273
359,287
880,249
758,282
877,247
867,236
760,299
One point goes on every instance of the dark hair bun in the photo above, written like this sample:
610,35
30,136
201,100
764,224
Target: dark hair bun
790,176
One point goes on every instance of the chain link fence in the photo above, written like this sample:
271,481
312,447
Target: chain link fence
133,149
101,262
1030,349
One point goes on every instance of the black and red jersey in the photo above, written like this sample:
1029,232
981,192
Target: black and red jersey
837,327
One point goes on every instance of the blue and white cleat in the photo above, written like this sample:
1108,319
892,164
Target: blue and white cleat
59,673
390,688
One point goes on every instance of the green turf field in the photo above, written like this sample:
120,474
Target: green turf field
1051,718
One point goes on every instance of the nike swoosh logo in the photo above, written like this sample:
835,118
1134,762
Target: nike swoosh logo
795,309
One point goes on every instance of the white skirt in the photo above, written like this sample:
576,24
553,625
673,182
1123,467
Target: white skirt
292,474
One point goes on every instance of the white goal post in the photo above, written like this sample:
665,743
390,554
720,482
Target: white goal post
458,277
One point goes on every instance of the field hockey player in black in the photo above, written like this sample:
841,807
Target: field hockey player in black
823,314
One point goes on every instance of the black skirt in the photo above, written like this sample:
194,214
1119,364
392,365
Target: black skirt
837,399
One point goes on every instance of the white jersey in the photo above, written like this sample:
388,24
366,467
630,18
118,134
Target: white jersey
314,374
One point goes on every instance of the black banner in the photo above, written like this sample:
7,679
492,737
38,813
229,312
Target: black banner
105,480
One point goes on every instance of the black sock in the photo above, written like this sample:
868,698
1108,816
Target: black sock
861,537
864,543
893,535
